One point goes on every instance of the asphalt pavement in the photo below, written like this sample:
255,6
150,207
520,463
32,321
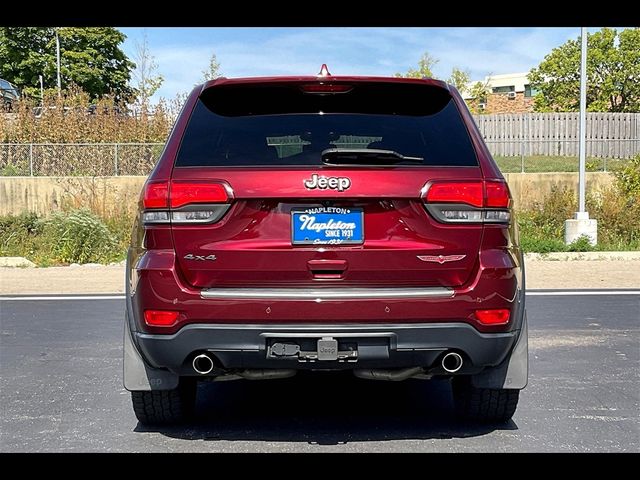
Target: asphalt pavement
61,391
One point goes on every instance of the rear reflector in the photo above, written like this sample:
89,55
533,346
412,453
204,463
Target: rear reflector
156,195
184,193
469,193
161,318
498,316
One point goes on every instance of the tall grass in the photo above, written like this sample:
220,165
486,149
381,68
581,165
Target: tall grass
66,119
77,236
617,209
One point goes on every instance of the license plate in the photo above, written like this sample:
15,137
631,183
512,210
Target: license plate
327,226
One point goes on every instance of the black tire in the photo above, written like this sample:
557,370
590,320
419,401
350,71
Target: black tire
483,405
165,407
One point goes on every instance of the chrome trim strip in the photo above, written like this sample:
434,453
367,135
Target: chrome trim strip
327,293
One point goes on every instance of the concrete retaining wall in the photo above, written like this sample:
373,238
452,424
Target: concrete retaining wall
108,195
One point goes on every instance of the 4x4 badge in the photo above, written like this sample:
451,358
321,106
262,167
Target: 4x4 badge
191,256
440,258
322,182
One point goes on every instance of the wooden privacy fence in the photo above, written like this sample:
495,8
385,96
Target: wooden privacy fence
609,135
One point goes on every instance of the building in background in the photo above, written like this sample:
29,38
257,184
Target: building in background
507,93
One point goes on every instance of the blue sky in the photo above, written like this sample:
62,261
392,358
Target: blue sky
182,53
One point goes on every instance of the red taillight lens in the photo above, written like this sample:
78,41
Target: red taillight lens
326,88
211,199
156,195
184,193
497,316
497,194
456,192
161,318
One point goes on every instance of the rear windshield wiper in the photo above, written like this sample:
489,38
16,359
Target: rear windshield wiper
365,156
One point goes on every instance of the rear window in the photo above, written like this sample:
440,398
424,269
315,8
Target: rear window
262,125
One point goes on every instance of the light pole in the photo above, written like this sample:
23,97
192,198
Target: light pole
58,61
581,224
41,91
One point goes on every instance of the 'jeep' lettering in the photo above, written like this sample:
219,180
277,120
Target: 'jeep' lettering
322,182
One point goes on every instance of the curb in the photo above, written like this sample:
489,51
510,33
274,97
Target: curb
590,256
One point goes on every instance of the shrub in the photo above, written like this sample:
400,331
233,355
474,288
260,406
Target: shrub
78,236
618,218
617,210
22,236
533,243
81,237
580,244
546,218
628,179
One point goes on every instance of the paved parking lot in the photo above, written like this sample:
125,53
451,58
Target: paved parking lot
61,390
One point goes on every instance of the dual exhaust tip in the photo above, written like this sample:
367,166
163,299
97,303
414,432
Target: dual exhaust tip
203,363
452,362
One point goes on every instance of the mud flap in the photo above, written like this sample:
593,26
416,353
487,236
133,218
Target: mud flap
138,376
513,373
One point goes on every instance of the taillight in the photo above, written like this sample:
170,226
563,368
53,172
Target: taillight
456,192
156,195
185,202
468,201
497,316
497,194
185,193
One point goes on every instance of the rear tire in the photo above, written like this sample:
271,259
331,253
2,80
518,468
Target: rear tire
483,405
165,407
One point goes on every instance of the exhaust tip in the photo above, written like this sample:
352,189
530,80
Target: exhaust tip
452,362
203,364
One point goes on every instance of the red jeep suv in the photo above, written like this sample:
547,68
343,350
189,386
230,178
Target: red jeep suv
325,223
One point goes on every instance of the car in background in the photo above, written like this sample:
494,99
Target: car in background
9,94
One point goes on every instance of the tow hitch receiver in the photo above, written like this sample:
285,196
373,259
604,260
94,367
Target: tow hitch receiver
327,349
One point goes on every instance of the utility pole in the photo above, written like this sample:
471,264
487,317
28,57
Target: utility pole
58,62
581,224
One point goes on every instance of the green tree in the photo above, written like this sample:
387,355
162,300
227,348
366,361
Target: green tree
90,58
425,67
479,93
613,74
213,70
146,75
459,78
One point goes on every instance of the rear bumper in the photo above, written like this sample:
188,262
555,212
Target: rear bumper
154,282
378,346
390,327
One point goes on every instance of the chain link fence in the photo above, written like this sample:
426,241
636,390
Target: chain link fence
561,155
78,159
113,159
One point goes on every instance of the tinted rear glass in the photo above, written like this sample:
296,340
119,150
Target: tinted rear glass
241,125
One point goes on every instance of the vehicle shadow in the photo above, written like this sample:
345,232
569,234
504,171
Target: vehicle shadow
324,409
